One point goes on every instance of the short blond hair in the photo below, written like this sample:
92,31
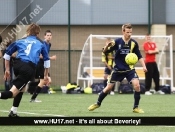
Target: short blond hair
128,25
33,29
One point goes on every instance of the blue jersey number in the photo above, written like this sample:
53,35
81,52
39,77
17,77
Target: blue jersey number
27,51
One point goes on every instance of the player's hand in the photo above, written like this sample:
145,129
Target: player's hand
7,75
112,43
54,57
145,69
109,67
46,79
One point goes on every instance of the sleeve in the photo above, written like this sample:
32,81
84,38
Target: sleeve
137,51
110,60
103,57
45,57
10,50
112,48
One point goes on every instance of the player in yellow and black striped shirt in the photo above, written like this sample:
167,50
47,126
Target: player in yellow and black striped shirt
107,59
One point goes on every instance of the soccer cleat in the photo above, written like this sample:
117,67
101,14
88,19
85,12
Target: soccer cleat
93,107
137,110
35,100
11,114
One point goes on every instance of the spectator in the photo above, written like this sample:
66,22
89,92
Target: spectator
151,50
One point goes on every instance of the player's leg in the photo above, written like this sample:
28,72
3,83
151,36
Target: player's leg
105,76
16,102
156,77
133,78
23,72
148,78
136,86
47,85
9,94
106,90
37,91
39,74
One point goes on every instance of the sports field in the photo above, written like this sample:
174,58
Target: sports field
76,105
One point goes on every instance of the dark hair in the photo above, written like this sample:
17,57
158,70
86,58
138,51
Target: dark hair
8,43
0,38
33,29
47,31
148,34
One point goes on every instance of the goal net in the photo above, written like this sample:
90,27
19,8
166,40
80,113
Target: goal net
91,67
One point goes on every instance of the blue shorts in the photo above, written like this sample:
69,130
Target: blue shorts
119,76
107,71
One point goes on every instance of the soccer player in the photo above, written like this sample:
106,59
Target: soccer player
40,68
151,50
28,52
107,59
121,70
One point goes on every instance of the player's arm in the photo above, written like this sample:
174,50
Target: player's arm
8,52
109,47
46,62
137,52
143,64
104,61
54,57
148,51
156,51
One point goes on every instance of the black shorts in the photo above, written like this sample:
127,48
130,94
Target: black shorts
107,71
24,72
39,73
119,76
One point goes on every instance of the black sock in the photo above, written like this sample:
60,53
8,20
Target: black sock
136,99
17,99
37,91
105,83
101,97
6,95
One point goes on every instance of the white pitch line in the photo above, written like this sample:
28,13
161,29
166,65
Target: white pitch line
29,113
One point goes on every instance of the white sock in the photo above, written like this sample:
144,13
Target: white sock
14,109
0,94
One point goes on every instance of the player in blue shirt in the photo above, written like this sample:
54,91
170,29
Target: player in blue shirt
123,46
40,68
29,50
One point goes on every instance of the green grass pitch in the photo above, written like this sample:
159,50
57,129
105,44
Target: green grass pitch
118,105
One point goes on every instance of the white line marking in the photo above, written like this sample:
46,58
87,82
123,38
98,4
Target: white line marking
29,113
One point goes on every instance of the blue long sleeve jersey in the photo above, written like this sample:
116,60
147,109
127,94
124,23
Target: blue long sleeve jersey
48,45
29,49
121,50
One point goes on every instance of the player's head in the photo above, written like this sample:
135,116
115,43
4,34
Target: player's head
33,29
148,37
127,30
48,35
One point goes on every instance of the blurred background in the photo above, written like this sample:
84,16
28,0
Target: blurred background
72,21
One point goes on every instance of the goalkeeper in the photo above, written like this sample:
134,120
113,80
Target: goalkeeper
121,70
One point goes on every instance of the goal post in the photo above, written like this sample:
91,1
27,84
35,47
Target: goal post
90,59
